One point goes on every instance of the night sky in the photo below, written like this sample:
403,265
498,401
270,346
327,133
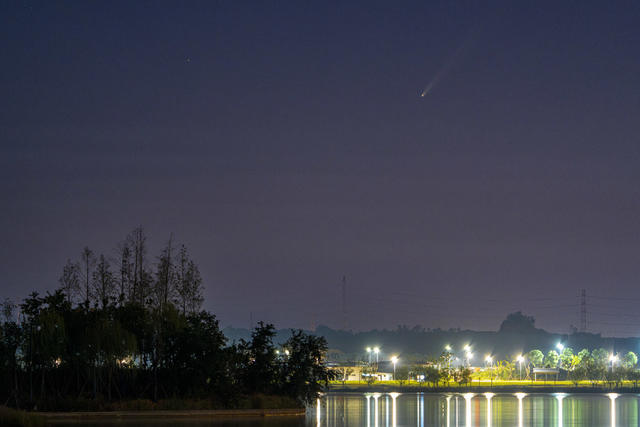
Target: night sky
287,144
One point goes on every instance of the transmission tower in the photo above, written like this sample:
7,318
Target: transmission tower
583,311
344,303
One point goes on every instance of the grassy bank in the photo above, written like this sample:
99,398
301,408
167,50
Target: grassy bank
14,418
485,386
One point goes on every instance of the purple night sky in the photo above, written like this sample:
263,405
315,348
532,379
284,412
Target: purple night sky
287,144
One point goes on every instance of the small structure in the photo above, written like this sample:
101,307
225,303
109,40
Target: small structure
545,372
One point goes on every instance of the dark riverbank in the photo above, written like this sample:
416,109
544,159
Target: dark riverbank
10,417
65,417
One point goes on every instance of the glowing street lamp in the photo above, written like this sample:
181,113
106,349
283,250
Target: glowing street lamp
447,347
376,351
560,348
469,356
613,359
394,360
520,359
489,360
369,351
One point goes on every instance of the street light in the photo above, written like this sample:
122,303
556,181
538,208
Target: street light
489,360
394,360
376,351
447,347
369,351
520,360
613,359
469,356
560,347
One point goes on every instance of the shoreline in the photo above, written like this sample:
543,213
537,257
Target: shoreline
392,388
169,414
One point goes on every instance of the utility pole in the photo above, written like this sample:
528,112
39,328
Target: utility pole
583,311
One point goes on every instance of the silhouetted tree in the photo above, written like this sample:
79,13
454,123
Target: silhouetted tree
188,296
104,284
70,280
305,372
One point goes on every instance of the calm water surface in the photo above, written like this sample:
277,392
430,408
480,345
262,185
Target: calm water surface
441,410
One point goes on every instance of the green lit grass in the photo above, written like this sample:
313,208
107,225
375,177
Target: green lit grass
485,383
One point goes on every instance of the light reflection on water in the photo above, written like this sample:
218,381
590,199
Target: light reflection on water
478,410
432,410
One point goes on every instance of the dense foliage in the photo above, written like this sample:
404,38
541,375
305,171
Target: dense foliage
140,334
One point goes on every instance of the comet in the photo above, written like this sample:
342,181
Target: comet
448,63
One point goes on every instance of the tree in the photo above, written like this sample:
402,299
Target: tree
10,340
445,366
165,276
140,288
70,280
583,355
577,374
104,285
125,281
462,375
504,370
600,357
433,375
188,283
536,358
261,367
305,371
566,358
518,323
551,361
629,360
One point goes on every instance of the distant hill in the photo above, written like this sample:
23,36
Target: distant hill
517,334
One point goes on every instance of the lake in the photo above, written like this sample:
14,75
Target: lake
442,410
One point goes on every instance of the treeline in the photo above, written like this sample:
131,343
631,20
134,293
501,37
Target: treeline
596,366
517,333
138,332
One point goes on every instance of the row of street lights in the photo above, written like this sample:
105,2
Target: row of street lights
488,359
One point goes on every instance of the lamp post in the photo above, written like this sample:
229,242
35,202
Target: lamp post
469,356
489,360
369,351
613,359
377,352
560,348
520,360
394,360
